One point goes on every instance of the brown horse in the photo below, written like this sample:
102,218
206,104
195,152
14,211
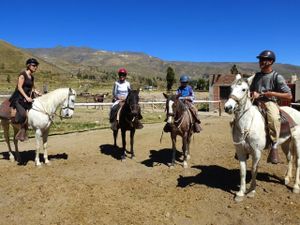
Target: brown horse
180,120
100,97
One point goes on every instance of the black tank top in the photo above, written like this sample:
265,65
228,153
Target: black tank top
27,87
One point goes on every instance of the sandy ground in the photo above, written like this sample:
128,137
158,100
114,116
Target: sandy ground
87,183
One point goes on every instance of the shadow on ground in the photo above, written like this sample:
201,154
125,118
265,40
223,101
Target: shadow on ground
29,155
162,156
113,151
215,176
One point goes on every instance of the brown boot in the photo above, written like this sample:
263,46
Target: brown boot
167,128
273,156
138,124
22,135
197,128
114,125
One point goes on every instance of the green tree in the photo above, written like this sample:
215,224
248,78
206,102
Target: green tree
170,78
234,70
201,84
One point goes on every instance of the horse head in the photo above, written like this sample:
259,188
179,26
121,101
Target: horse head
239,94
170,106
132,102
68,105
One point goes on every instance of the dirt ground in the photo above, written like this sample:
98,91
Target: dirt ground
87,183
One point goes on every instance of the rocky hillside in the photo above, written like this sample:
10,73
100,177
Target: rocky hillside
12,61
76,59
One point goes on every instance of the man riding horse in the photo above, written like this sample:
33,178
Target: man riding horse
267,86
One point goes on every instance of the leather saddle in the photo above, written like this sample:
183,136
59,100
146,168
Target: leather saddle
6,111
287,122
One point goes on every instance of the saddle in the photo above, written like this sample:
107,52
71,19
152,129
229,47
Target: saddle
287,122
6,111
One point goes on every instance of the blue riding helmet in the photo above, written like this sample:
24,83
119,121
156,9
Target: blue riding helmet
184,79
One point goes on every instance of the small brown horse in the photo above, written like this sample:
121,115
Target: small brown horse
128,114
181,122
100,97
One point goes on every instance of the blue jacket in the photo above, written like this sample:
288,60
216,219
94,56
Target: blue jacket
186,92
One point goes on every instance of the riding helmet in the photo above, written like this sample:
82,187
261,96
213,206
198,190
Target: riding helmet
122,72
267,54
32,61
184,78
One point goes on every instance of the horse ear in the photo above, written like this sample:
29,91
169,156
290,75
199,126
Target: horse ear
70,90
250,79
238,77
166,96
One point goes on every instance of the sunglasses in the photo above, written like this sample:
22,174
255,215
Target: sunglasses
264,59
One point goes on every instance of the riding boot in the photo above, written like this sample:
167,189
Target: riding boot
114,125
167,128
138,124
197,127
22,134
273,156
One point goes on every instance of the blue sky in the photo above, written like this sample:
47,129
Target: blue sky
181,30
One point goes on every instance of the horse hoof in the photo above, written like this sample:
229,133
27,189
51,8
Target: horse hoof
12,159
48,163
286,181
185,165
296,190
171,165
38,164
251,194
123,158
238,198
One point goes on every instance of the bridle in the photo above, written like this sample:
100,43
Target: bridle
68,105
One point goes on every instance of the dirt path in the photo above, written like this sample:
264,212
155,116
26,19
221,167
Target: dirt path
88,184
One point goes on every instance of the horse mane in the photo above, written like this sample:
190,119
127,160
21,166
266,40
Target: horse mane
56,96
132,94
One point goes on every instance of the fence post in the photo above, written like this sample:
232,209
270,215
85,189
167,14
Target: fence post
219,108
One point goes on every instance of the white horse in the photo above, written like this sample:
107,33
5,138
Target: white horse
40,117
249,136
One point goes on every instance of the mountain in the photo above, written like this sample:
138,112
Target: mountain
76,59
12,61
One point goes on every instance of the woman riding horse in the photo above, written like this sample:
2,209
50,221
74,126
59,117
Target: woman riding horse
22,98
120,92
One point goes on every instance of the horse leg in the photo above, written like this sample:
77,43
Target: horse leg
243,166
188,156
16,130
289,153
296,153
173,137
255,160
5,126
45,146
38,135
184,150
132,131
115,133
123,133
